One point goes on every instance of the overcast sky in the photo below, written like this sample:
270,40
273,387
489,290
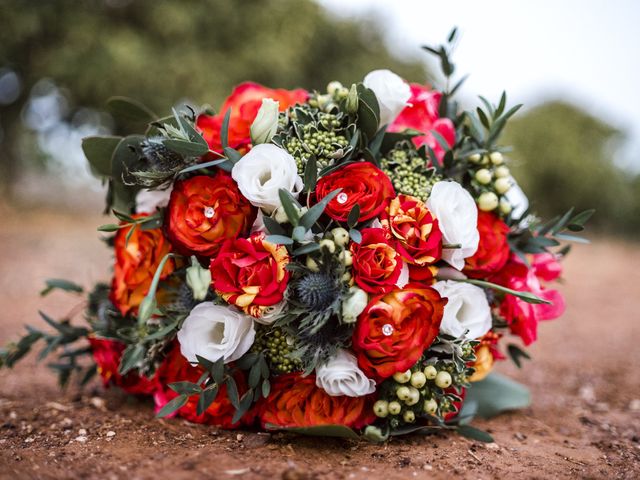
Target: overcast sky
586,51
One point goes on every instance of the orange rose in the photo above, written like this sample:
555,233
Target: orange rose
483,364
410,222
376,264
205,211
176,368
136,263
362,184
250,273
244,102
395,329
296,401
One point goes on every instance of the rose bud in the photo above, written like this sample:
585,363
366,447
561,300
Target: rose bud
198,279
265,124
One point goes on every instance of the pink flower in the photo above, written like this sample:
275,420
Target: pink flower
521,316
422,115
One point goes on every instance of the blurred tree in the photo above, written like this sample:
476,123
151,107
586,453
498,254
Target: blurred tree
564,156
173,50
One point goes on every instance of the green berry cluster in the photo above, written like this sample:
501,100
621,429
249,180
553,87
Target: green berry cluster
277,347
429,388
491,180
408,171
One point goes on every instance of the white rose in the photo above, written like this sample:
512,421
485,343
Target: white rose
341,376
148,201
457,216
214,332
354,304
265,124
262,172
467,309
392,93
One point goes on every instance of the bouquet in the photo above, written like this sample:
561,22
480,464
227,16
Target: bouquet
347,262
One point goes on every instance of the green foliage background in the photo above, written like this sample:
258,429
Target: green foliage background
168,51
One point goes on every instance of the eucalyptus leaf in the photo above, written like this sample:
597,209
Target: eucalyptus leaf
526,296
172,406
60,284
130,109
99,151
189,149
494,395
314,213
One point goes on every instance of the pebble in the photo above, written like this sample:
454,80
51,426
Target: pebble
80,439
82,432
634,405
111,434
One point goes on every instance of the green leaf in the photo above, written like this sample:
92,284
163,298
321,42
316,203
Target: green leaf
110,227
254,376
355,235
279,239
99,151
60,284
571,238
474,433
310,174
189,149
305,249
526,296
144,314
130,109
217,371
185,388
124,160
174,405
516,354
207,397
266,388
233,155
193,134
131,357
494,395
314,213
299,233
560,224
273,227
354,216
224,131
581,218
339,431
289,206
232,392
201,166
245,404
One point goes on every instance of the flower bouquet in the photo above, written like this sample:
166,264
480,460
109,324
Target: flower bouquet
341,263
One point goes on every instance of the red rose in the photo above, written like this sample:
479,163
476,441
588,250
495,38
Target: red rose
422,114
410,222
296,401
493,249
521,316
362,184
107,355
205,211
376,264
176,368
136,262
395,329
250,273
244,102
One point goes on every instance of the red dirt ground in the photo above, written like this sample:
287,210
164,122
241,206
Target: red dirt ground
585,380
